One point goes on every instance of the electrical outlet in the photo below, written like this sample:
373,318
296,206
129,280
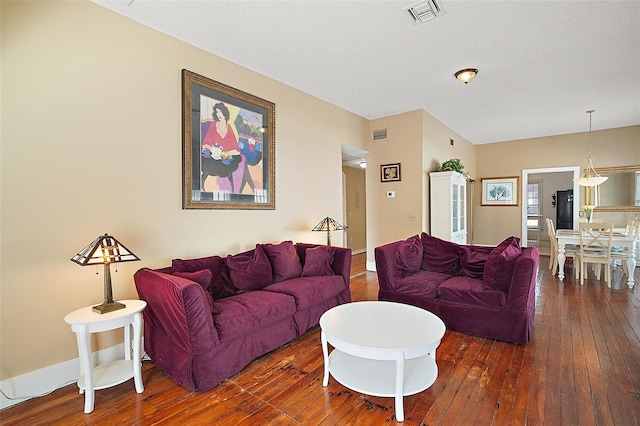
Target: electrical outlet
413,217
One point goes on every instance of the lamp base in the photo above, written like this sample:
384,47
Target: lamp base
107,307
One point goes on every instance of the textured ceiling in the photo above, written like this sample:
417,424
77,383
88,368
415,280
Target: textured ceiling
542,63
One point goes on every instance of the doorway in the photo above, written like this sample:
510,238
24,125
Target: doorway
354,198
538,175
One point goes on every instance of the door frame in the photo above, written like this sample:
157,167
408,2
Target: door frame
523,189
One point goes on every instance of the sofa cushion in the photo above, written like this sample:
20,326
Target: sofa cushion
198,264
422,284
221,285
472,292
499,266
439,255
248,312
203,278
318,261
408,256
472,261
308,291
284,260
250,271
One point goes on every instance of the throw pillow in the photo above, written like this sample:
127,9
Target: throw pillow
250,271
221,285
203,278
408,256
499,266
193,265
473,260
439,255
318,262
284,260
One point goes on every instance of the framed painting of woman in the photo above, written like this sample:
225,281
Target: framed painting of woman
228,146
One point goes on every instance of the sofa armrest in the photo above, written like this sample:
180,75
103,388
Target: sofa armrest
384,256
521,291
178,308
342,263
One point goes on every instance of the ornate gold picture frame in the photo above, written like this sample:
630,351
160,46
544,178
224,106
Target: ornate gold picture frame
228,147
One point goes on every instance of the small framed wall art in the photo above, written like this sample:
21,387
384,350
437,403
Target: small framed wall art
390,172
501,191
228,147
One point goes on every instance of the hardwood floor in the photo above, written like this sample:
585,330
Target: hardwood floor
582,367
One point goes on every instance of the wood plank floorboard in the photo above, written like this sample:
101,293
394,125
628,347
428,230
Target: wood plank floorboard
582,367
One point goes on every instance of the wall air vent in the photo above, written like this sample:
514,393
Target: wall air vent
380,135
425,10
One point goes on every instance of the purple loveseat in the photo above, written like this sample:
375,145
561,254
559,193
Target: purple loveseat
207,318
478,290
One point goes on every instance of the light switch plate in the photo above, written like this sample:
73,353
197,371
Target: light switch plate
391,194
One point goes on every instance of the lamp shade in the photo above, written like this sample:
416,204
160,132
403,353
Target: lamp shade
328,224
590,180
102,250
105,250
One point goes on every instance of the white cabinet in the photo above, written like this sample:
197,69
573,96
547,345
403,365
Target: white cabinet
449,206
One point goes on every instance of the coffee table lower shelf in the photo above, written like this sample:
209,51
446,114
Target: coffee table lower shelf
377,378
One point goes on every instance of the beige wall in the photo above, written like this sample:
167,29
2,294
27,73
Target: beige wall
437,149
356,207
389,219
420,143
91,143
612,147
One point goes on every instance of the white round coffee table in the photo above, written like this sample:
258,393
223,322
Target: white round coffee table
381,348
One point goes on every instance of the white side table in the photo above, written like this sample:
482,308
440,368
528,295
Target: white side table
84,322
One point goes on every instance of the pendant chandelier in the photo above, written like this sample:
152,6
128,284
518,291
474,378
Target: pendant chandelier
590,177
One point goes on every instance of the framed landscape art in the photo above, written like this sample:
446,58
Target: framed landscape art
228,147
501,191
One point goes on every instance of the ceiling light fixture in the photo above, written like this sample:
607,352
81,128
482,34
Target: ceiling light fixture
590,177
466,75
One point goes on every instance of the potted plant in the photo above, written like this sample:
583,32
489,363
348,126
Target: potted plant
454,165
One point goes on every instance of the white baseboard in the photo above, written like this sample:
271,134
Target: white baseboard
359,251
48,379
371,266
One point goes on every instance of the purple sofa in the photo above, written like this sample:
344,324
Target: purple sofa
478,290
207,318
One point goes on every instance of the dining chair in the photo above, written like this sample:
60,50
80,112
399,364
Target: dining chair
569,250
620,253
630,224
595,247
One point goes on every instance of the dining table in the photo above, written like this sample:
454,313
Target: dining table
619,239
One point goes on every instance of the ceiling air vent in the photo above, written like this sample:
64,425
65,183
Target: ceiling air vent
380,135
425,11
